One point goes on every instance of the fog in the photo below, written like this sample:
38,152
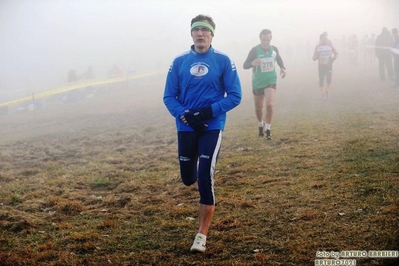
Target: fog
42,40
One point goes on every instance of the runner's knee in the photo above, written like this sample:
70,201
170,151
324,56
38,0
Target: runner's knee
188,180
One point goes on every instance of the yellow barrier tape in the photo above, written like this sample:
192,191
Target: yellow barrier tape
77,85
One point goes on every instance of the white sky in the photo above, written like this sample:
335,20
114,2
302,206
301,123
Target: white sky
41,40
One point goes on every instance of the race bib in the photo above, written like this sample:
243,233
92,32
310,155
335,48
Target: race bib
267,64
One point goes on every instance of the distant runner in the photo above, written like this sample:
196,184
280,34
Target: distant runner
323,53
262,59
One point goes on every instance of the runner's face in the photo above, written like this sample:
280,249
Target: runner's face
202,38
323,39
265,39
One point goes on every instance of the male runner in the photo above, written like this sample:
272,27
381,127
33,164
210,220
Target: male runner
202,85
323,52
262,59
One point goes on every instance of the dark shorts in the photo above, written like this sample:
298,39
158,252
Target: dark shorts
198,153
325,72
259,92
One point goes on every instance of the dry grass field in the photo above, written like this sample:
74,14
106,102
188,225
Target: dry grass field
96,182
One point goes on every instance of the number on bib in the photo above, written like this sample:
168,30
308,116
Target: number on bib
267,64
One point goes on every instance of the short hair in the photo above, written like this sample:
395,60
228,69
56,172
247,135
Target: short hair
202,18
395,31
265,31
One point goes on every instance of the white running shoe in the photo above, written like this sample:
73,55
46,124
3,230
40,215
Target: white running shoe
199,245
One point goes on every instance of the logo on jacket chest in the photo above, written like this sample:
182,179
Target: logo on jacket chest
199,69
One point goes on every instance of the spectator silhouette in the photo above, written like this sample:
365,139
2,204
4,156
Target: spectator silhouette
382,42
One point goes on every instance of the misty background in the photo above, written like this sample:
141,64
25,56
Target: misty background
41,40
